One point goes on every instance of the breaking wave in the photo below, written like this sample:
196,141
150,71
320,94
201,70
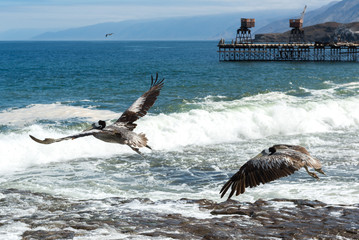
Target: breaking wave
211,121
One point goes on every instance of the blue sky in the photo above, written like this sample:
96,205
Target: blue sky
62,14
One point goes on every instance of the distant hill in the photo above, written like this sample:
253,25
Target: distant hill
211,27
345,11
324,32
20,34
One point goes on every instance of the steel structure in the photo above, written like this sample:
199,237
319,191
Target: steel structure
244,33
347,52
297,32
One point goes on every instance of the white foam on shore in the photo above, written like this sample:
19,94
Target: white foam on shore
169,207
55,111
216,122
13,231
326,123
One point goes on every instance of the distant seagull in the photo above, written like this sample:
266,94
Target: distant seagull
273,163
121,131
108,34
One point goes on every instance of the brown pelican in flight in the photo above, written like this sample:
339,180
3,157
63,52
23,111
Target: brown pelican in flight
108,34
121,130
273,163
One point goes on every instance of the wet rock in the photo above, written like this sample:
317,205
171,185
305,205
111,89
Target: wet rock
48,235
61,218
164,234
218,236
313,204
232,211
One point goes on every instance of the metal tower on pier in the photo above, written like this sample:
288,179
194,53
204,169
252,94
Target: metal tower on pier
244,33
297,32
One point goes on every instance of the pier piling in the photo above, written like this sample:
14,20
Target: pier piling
343,52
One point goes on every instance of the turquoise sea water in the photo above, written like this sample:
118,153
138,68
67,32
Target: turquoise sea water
210,118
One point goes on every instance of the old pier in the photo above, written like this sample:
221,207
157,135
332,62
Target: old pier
243,48
338,52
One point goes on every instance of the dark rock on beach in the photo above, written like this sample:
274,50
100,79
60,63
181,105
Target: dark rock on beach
60,218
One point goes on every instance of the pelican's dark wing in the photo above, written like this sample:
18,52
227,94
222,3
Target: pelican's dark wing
140,107
53,140
260,169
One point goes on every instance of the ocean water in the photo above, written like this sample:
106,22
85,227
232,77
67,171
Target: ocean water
210,118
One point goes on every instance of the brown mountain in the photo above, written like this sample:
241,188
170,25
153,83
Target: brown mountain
345,11
324,32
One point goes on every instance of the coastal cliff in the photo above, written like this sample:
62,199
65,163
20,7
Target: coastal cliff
324,32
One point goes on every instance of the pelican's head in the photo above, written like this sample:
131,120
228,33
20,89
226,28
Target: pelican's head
266,152
271,150
97,125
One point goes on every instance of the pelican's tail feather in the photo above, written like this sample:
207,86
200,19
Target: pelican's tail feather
138,140
144,139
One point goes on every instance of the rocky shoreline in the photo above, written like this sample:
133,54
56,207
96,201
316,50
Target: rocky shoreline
48,217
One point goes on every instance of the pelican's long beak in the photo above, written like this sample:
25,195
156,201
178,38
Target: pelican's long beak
259,155
89,128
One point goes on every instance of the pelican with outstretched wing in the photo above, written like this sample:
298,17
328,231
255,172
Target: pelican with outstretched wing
122,130
275,162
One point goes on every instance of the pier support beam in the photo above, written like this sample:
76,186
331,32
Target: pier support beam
347,52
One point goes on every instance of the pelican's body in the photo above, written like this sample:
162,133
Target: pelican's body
122,135
121,131
272,163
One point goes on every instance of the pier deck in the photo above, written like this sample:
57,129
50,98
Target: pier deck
338,52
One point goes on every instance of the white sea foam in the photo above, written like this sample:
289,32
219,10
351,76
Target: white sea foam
55,111
251,118
13,231
19,151
216,122
178,207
